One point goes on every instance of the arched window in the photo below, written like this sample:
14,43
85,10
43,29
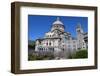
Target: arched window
53,49
43,49
50,43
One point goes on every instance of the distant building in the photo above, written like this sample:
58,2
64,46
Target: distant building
59,43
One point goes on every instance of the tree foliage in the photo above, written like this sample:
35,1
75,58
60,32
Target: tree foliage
42,57
31,44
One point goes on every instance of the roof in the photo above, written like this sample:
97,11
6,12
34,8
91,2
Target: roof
58,22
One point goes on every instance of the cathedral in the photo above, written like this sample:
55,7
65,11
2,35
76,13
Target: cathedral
60,43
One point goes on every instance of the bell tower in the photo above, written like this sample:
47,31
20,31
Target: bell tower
80,36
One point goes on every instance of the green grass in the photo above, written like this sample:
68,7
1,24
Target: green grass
83,53
79,54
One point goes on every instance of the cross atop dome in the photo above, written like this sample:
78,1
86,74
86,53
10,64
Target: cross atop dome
58,19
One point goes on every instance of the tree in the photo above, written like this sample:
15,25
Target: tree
31,44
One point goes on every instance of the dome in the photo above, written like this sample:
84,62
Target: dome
58,25
57,22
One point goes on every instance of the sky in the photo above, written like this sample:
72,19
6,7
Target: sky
38,25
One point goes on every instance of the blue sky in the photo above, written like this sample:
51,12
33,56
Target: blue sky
38,25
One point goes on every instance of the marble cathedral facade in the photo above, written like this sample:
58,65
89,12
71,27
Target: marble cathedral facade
60,43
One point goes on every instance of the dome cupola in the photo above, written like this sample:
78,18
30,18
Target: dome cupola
58,25
57,22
